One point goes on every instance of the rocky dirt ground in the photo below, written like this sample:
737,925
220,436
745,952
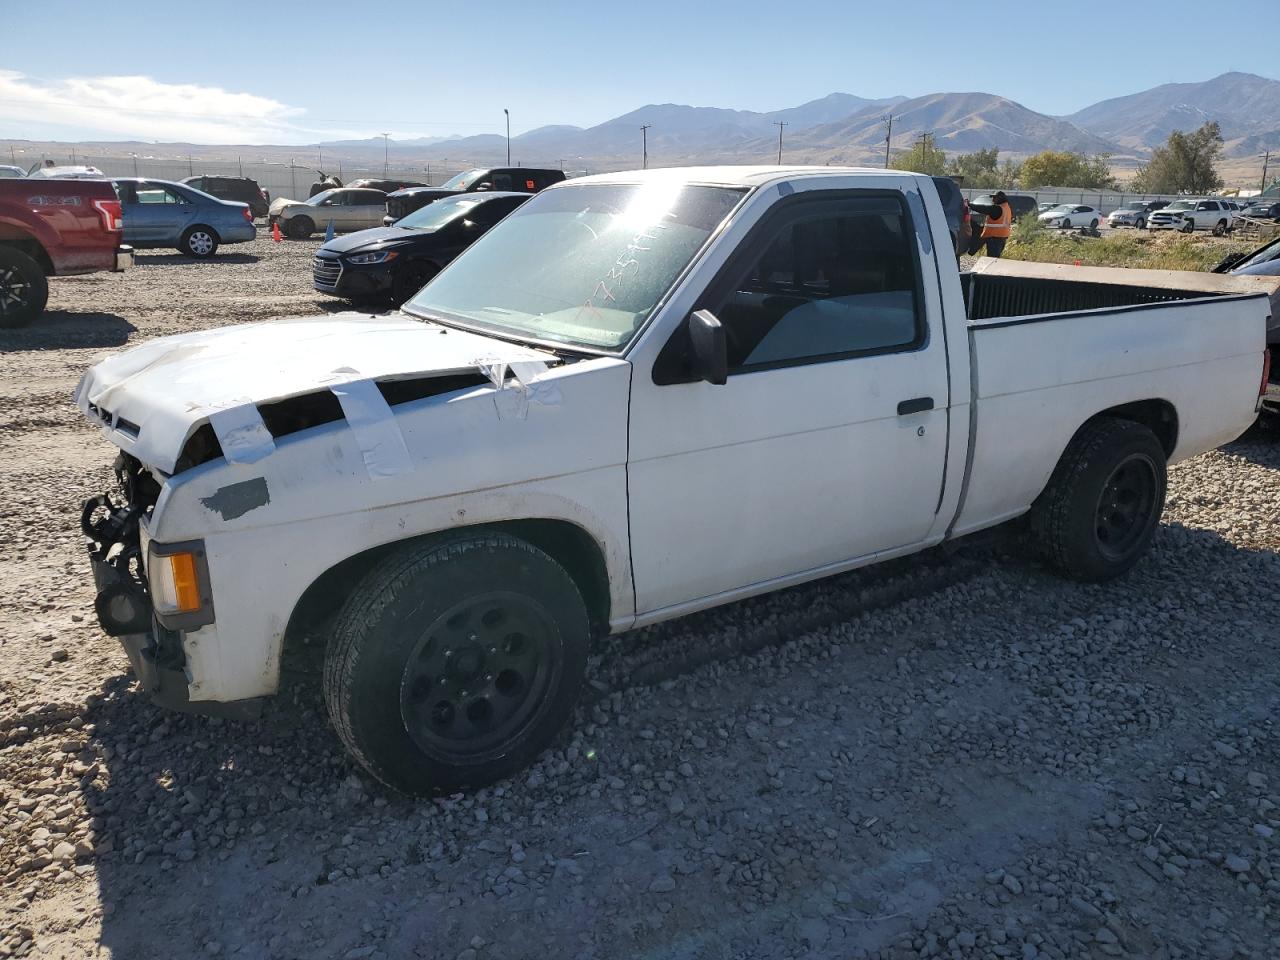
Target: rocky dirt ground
955,756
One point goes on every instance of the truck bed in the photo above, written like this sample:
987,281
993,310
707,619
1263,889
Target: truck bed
1047,353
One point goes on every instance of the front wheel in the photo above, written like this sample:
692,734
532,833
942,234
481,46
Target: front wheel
411,278
1099,512
199,242
456,662
1189,226
24,289
299,228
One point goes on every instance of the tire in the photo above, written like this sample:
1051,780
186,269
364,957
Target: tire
1096,517
1093,225
1141,225
299,228
476,609
411,278
1220,228
1189,226
24,289
1066,224
199,241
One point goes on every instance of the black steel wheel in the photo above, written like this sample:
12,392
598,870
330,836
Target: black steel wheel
456,661
477,675
1100,509
1124,507
24,289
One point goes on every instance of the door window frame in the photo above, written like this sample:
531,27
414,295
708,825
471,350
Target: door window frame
671,366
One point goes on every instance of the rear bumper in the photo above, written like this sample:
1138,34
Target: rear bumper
238,233
124,258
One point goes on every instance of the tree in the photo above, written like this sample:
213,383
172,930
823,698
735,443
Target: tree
925,156
979,169
1061,168
983,169
1185,164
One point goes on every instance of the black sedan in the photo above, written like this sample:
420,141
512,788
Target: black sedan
393,263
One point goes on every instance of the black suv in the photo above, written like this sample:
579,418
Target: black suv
239,189
401,203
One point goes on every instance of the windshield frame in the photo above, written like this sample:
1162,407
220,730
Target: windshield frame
447,319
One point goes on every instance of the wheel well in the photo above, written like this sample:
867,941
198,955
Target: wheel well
570,545
33,249
1158,416
203,226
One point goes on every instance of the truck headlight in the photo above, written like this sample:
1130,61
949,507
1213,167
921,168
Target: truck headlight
179,581
379,256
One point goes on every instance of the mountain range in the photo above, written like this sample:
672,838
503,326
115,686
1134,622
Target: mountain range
844,128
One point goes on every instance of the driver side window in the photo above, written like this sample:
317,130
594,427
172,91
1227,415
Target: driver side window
828,280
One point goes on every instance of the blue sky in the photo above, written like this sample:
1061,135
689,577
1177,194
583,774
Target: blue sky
297,73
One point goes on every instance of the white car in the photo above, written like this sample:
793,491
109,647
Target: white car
67,173
347,208
10,172
1067,216
1190,215
1132,214
630,400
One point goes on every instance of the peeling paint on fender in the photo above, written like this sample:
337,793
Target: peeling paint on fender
237,499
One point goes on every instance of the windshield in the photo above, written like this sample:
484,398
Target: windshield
435,215
582,265
1060,208
462,180
1181,205
320,197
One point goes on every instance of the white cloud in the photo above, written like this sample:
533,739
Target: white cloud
141,108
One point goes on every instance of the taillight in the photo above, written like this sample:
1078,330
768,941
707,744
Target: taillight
1266,372
111,214
248,214
965,218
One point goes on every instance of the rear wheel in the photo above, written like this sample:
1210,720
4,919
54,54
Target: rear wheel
1220,228
1099,512
199,242
299,228
24,289
455,663
1093,224
1141,224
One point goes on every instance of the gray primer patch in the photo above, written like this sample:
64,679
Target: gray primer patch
237,499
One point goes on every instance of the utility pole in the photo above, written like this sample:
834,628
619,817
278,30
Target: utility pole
644,146
508,115
1266,159
320,162
887,118
386,153
779,124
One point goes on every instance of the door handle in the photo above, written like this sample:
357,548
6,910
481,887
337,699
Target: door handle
916,405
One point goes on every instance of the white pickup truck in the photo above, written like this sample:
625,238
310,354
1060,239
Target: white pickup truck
641,395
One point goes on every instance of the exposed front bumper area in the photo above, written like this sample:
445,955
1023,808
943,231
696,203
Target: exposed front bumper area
124,258
338,278
124,610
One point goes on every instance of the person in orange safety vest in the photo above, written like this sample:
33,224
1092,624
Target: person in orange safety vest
999,225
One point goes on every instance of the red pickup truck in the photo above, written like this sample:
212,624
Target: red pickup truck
54,228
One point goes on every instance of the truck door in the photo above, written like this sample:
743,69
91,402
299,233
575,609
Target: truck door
828,441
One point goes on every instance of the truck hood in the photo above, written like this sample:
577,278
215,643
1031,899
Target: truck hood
149,400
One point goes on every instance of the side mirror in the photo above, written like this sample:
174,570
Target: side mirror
708,351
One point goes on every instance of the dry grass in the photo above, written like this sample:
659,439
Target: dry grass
1164,250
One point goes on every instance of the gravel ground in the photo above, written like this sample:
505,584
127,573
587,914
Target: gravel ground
956,755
